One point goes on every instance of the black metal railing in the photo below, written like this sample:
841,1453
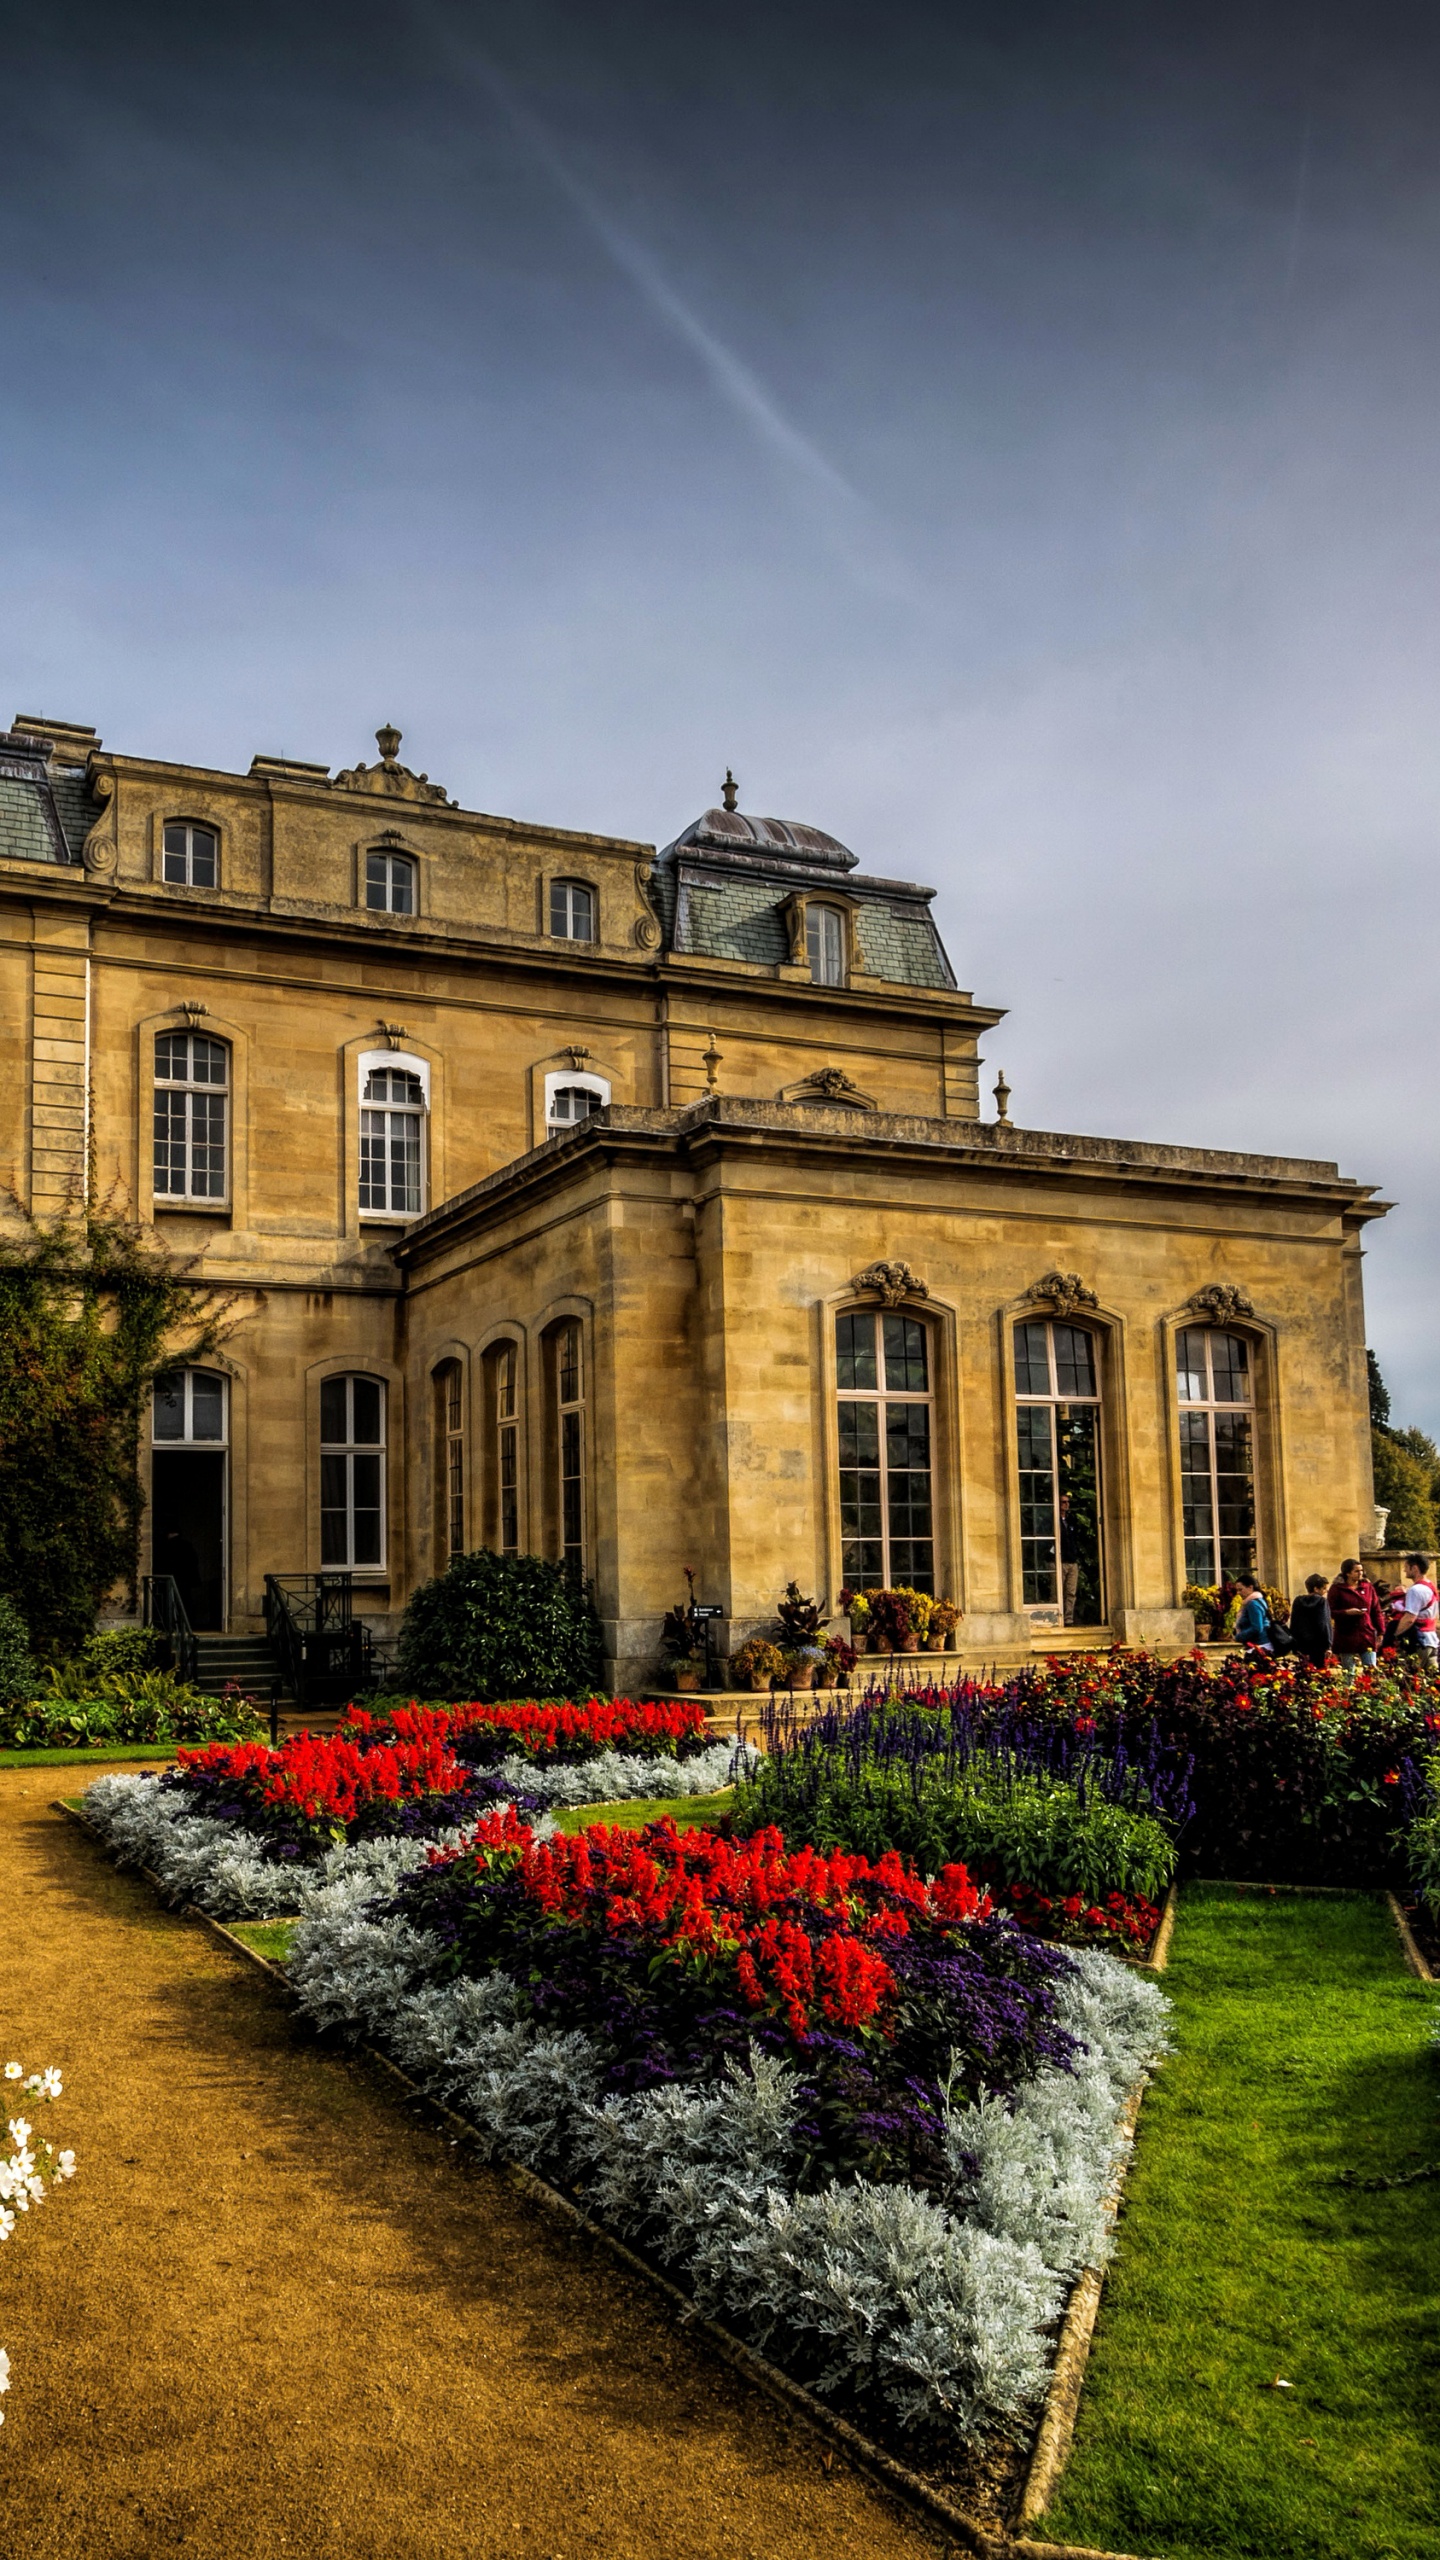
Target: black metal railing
323,1649
162,1607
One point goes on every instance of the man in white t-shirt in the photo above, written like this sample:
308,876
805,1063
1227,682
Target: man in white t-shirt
1420,1610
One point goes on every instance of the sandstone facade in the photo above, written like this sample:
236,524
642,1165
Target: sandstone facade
591,1206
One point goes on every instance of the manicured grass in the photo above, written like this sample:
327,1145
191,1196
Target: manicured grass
1303,2053
687,1812
106,1751
265,1937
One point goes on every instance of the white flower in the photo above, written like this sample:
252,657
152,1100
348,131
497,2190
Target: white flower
14,2070
7,2223
4,2370
65,2165
20,2131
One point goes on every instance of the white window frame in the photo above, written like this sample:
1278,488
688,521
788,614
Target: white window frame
1215,1408
821,922
882,1396
567,885
367,1063
394,859
192,1088
191,828
187,1439
349,1450
561,1082
1046,1612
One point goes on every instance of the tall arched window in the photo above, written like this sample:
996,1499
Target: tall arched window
1215,1383
502,1455
390,883
1057,1382
569,1406
572,911
449,1460
887,1528
352,1471
392,1119
192,1077
825,951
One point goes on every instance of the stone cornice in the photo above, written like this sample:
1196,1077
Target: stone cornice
706,1129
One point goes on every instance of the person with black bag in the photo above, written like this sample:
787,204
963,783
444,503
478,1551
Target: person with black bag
1311,1629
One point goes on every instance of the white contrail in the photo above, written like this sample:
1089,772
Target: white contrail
851,521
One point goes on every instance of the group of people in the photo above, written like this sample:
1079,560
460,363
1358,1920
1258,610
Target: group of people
1349,1618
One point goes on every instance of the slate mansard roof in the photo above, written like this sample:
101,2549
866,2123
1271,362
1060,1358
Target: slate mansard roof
45,810
723,885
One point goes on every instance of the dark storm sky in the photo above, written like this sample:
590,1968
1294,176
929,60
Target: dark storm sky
1007,434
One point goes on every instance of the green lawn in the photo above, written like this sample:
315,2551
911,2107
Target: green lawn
1303,2053
109,1752
265,1937
687,1812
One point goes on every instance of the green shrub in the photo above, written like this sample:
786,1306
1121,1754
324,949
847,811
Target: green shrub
494,1626
108,1664
1010,1829
156,1707
18,1675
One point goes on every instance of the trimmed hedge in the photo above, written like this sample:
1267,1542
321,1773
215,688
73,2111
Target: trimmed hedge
493,1627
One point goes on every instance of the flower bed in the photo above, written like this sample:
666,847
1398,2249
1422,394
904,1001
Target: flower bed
1297,1776
865,2118
554,1732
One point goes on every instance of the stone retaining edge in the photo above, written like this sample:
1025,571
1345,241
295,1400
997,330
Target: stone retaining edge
1408,1948
908,2486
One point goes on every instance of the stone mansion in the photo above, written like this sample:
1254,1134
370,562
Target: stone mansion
637,1208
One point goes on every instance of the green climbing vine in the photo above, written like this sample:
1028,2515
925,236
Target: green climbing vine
88,1315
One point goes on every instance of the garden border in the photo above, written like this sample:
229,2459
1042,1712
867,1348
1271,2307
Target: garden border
1056,2424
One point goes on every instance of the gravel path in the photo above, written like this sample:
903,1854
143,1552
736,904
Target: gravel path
275,2315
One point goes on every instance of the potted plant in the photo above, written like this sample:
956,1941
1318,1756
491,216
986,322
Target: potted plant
889,1625
682,1642
840,1659
857,1607
800,1625
944,1619
756,1663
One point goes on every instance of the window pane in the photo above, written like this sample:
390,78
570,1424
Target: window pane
855,1351
1032,1359
334,1510
570,1490
207,1146
824,945
905,1354
176,850
402,886
365,1408
203,852
170,1405
1230,1368
1074,1361
509,1490
207,1059
171,1055
207,1405
375,880
570,1364
170,1142
405,1162
1190,1364
506,1389
366,1481
332,1411
1034,1431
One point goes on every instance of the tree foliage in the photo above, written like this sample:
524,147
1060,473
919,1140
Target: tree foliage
494,1626
1407,1473
88,1316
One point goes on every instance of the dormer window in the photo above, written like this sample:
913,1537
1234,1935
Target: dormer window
825,944
572,1102
191,856
390,883
572,911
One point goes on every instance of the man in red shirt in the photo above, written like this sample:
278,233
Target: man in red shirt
1355,1614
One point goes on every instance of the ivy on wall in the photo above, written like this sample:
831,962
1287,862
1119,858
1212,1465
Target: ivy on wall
89,1313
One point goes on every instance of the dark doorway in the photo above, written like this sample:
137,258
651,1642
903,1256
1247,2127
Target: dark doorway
187,1521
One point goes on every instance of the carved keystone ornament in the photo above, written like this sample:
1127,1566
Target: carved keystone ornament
890,1282
1222,1302
1065,1291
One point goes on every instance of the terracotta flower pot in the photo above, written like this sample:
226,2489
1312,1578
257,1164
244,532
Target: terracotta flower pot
909,1644
759,1680
690,1681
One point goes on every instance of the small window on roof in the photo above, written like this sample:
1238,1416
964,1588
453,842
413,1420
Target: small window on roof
390,883
825,945
572,911
192,855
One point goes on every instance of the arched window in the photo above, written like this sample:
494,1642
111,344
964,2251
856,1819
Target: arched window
449,1460
392,1117
192,1076
569,1408
502,1406
1215,1383
191,855
887,1529
390,883
1058,1434
825,951
572,911
190,1406
352,1471
572,1102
